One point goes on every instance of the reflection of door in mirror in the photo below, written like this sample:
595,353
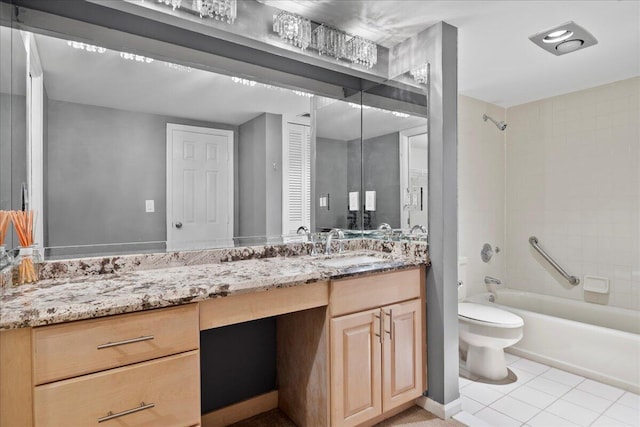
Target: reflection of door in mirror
414,176
199,187
13,121
296,176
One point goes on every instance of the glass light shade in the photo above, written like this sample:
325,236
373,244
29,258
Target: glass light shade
293,29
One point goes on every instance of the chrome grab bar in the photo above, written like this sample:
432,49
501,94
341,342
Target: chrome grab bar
533,240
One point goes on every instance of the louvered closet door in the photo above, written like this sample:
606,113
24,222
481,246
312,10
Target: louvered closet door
296,178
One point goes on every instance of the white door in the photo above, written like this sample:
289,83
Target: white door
296,178
199,187
414,180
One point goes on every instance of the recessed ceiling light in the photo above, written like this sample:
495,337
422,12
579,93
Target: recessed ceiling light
557,36
569,45
564,38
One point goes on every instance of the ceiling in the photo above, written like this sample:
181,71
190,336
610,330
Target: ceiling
497,61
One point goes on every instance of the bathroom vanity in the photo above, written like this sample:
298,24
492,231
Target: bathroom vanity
351,342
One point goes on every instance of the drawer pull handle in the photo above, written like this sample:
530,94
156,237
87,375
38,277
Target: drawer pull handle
380,326
110,415
390,331
131,341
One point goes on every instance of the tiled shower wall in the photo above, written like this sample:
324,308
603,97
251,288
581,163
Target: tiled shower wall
573,180
481,209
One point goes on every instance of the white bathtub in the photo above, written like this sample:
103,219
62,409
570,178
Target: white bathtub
595,341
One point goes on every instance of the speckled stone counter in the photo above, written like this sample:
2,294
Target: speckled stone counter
95,287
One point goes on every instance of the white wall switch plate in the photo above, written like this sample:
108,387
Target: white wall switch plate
370,200
149,206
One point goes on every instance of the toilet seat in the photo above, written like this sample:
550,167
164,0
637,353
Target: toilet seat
482,315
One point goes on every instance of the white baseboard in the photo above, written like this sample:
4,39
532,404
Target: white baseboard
438,409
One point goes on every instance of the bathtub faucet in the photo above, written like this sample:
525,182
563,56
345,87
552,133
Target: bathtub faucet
488,280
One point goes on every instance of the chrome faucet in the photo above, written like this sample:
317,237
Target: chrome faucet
418,227
384,227
303,229
488,280
336,232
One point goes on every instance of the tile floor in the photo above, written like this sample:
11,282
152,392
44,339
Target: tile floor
546,397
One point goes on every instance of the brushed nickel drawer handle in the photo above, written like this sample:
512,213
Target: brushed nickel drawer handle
390,331
131,341
110,415
380,326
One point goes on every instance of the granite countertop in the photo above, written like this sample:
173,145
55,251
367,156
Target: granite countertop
66,299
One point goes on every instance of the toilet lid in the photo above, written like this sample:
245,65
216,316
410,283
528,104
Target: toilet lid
483,313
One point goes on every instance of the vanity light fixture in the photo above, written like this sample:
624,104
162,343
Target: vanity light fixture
296,30
563,39
362,51
134,57
329,41
87,47
222,10
293,29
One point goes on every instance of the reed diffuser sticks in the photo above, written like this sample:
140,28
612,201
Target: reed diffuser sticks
5,219
23,224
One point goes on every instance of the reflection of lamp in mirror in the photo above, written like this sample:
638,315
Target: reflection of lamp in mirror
178,67
136,58
87,47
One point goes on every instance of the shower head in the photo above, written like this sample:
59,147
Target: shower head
499,125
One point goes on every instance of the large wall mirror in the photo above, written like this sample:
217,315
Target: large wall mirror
395,159
13,121
143,155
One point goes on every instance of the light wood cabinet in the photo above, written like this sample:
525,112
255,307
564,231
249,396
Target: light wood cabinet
139,369
162,392
402,359
376,355
356,362
77,348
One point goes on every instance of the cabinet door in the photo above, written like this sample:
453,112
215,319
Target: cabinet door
402,360
355,368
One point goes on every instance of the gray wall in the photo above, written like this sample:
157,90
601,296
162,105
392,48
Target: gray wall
273,172
259,184
102,164
382,174
438,47
331,178
354,175
13,154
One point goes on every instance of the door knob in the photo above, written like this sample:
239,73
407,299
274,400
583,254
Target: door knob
178,225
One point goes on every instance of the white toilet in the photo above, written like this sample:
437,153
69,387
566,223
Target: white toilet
484,332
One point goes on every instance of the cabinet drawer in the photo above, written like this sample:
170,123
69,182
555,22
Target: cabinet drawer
78,348
363,293
163,392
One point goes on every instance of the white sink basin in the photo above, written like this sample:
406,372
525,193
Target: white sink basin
349,261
